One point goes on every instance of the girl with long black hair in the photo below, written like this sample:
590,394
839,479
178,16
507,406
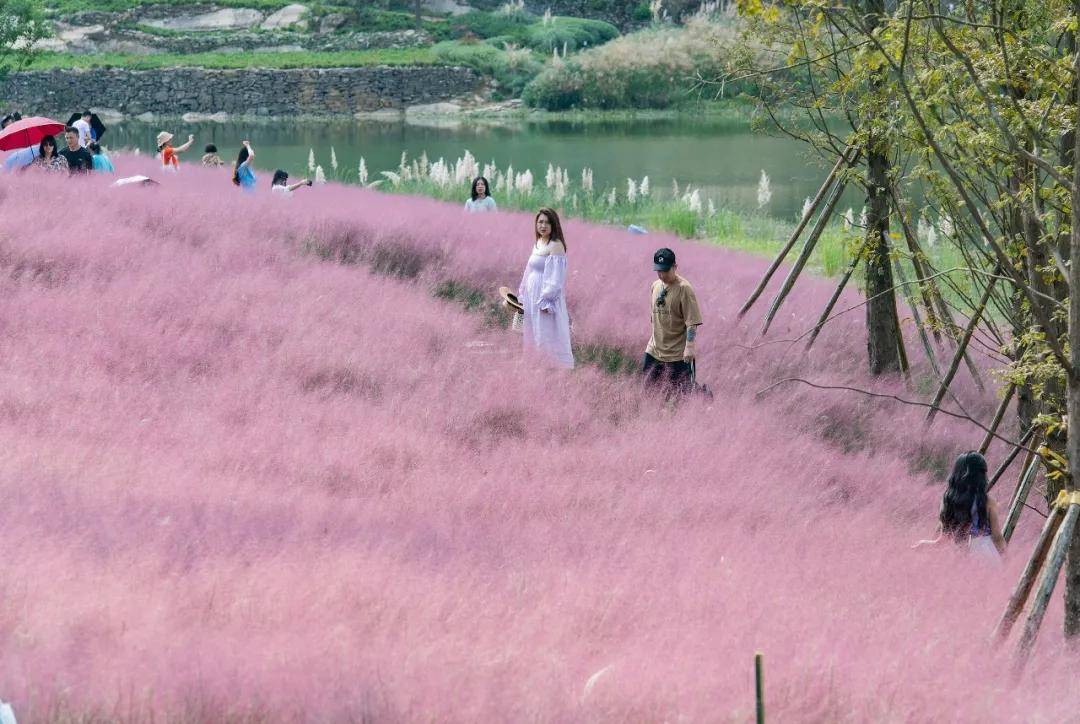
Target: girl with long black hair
968,515
243,176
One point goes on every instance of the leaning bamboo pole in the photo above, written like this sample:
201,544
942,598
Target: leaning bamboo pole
804,255
962,346
1031,571
794,238
1010,457
836,294
1020,496
918,257
999,414
1048,579
928,348
926,290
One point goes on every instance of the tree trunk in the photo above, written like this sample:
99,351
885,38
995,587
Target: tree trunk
1072,566
417,7
881,328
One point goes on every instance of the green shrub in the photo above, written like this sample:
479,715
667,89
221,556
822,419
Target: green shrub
654,68
512,70
489,25
381,21
571,33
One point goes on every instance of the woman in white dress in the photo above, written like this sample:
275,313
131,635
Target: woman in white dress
543,293
968,516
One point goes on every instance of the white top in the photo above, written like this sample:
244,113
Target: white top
281,189
481,206
542,293
84,132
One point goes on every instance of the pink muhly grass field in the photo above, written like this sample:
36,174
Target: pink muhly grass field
243,481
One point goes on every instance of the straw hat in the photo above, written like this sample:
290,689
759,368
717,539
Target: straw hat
163,138
511,299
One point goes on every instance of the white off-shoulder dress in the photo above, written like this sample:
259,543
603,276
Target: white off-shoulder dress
543,295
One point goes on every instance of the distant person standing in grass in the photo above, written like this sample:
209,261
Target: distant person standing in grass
243,175
210,158
168,152
79,160
675,318
480,202
102,164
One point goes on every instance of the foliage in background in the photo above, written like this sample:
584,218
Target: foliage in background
21,25
653,68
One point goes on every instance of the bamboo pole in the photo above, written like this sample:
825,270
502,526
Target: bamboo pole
1010,457
962,347
901,350
1047,582
1023,487
999,414
840,162
804,255
914,306
759,686
926,290
1027,578
944,313
836,294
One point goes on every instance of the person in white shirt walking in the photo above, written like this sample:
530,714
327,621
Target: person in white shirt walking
83,127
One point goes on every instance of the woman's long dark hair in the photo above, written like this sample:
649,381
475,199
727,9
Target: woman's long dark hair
966,492
280,178
243,156
556,225
487,187
46,141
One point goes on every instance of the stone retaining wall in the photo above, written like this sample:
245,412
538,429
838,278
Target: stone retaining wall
174,92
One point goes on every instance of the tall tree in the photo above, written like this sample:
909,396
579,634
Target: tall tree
882,334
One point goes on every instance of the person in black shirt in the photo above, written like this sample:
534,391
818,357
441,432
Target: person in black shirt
78,158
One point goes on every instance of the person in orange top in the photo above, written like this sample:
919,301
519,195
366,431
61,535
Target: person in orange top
168,152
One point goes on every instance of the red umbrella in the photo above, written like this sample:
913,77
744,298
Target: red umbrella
28,132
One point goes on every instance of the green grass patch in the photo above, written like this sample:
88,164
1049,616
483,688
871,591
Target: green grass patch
66,7
345,59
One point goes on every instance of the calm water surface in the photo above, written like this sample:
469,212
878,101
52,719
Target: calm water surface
722,157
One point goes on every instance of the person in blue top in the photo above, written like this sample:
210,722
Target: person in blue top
243,176
102,164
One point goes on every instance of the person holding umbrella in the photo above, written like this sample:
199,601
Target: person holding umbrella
168,153
24,135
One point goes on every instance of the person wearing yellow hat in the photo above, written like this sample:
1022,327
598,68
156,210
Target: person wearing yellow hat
168,152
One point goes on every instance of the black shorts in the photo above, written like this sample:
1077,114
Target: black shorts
673,374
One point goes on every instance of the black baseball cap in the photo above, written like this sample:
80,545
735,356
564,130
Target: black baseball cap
663,259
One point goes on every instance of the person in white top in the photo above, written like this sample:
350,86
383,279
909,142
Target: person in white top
83,127
542,293
480,202
280,183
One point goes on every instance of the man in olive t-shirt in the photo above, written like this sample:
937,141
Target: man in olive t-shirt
675,319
